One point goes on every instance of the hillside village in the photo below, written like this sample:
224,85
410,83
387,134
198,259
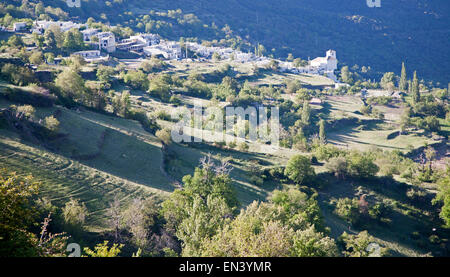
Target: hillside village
148,45
90,109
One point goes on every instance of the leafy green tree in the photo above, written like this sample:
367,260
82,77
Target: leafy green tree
15,41
49,57
105,73
71,84
443,197
202,207
310,243
361,165
346,75
338,166
36,58
299,170
348,209
136,79
73,40
388,81
38,40
284,226
16,194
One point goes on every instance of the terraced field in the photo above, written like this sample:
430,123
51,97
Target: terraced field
100,157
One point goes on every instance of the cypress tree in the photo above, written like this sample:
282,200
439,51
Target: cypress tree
415,89
403,81
322,134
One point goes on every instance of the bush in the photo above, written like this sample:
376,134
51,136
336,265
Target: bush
348,209
165,136
52,124
243,146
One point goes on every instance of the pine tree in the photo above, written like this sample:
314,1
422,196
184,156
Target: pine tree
415,89
403,79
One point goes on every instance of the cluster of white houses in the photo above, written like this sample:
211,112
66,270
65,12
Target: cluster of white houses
153,45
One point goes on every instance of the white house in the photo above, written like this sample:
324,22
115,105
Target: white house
169,49
18,26
107,41
138,42
41,25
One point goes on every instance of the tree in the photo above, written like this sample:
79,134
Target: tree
388,81
299,170
361,165
39,9
49,57
73,40
16,194
75,215
322,135
105,73
284,226
36,58
38,40
202,207
346,76
115,217
443,196
121,103
306,113
70,84
415,89
139,218
403,83
338,166
310,243
15,41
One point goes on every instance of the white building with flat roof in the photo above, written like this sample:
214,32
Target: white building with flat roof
19,26
41,25
168,49
89,54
